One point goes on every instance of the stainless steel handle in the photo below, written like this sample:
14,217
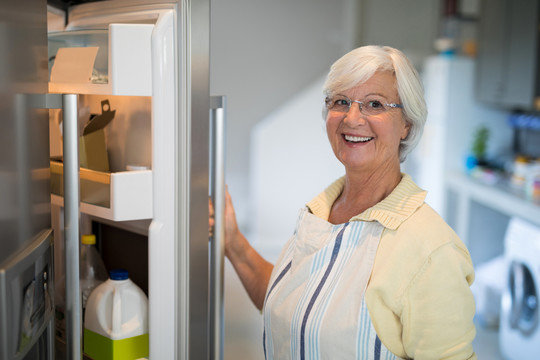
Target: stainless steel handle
217,194
71,225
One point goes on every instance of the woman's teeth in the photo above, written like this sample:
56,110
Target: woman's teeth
357,138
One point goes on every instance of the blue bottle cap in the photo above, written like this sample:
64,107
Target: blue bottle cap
118,274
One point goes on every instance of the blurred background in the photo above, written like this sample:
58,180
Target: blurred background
478,157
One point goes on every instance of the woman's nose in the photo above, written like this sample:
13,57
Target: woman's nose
355,116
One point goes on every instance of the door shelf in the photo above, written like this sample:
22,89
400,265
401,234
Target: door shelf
119,196
122,65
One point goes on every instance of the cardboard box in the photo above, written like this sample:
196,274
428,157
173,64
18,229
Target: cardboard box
92,145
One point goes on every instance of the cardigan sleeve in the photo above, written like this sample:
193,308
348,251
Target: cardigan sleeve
438,307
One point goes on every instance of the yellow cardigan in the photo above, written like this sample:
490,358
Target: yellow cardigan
419,296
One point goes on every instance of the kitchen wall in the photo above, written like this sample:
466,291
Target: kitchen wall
264,52
411,26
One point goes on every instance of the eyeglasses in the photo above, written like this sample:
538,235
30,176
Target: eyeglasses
342,104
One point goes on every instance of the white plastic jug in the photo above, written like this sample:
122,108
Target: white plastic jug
116,320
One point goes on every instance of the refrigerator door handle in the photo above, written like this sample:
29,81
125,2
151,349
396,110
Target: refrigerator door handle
71,225
45,101
217,194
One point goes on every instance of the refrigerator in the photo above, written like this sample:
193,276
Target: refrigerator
147,63
26,262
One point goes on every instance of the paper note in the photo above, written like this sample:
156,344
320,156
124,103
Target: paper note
74,65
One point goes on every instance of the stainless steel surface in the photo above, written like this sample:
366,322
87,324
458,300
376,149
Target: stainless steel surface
192,319
26,306
71,225
24,142
217,193
25,210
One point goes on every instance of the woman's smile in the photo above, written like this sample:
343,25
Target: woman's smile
356,139
368,142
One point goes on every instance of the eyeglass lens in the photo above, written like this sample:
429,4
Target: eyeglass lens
343,104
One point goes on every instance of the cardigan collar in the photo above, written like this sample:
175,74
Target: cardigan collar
402,202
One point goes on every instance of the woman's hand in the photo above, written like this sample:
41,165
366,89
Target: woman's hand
253,270
233,236
211,221
232,233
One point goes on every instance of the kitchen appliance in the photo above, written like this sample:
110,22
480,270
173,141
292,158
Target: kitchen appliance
26,309
519,330
445,145
150,60
26,241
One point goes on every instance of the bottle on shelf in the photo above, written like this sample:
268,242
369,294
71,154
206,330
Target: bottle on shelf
116,321
92,268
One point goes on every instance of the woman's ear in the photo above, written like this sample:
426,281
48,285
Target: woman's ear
406,130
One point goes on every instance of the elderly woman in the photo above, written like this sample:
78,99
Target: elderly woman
372,271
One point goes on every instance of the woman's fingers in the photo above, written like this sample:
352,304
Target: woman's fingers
211,220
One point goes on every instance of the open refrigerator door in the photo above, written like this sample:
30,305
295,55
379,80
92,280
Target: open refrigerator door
151,65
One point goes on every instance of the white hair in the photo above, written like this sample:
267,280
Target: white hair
357,66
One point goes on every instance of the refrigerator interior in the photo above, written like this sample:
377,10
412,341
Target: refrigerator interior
144,210
121,244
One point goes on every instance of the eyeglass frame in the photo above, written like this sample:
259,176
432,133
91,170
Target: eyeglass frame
361,103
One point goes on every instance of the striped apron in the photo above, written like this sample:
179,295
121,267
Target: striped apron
314,306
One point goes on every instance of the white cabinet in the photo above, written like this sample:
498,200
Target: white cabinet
508,69
479,213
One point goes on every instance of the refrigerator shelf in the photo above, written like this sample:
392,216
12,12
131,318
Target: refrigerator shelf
118,196
116,61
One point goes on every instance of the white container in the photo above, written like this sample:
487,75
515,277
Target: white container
116,320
